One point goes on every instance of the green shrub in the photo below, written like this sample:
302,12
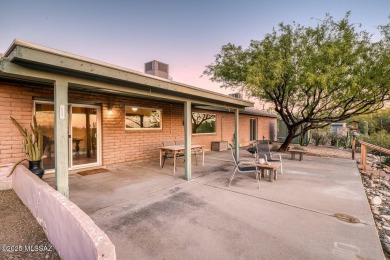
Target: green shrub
364,127
334,137
320,135
381,138
375,121
387,160
343,141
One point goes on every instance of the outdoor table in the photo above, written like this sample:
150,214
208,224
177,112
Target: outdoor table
273,175
300,152
176,149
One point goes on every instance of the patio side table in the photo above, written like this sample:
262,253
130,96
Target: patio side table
273,175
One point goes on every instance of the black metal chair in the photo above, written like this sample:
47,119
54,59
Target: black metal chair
244,166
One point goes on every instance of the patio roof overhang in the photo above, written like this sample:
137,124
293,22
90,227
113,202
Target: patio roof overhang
29,62
41,66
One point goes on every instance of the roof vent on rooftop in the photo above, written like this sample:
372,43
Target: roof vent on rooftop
157,68
236,95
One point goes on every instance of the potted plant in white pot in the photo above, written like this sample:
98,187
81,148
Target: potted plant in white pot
32,144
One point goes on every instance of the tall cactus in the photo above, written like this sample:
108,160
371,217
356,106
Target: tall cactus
365,128
349,140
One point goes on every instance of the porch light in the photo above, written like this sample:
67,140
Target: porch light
135,109
109,109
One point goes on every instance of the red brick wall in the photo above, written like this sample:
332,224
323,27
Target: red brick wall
118,144
226,132
15,101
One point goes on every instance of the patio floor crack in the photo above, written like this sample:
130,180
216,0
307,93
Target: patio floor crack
277,202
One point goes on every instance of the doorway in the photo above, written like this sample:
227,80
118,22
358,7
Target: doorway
84,134
84,141
253,129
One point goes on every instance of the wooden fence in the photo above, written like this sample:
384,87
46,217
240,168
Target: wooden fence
363,152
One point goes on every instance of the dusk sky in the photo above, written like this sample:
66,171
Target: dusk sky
184,34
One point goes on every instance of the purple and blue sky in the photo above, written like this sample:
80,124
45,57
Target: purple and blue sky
185,34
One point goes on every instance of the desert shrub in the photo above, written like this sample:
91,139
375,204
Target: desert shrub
387,160
381,138
374,122
344,141
334,137
321,135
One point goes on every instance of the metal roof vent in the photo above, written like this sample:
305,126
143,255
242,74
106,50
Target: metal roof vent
236,95
157,68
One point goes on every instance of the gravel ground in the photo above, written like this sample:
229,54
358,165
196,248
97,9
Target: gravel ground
378,194
21,235
326,151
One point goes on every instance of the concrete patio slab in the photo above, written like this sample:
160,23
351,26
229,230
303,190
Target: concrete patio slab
150,214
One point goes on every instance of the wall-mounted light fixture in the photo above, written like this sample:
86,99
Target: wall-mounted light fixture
109,106
135,109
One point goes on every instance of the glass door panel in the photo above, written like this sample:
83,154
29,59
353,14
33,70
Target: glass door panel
84,135
44,113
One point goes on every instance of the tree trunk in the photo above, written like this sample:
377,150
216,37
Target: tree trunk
289,138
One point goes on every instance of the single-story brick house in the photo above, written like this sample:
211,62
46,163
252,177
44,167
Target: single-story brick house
93,113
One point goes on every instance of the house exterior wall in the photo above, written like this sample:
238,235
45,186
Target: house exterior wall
225,128
15,101
118,144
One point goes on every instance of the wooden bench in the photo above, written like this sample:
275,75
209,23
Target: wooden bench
300,152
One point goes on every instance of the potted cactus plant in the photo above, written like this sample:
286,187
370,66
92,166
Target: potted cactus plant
33,144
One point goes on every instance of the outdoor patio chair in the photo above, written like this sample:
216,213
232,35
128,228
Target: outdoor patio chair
168,154
193,152
244,166
263,151
179,142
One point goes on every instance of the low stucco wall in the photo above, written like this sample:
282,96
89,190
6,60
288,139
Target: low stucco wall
5,182
72,232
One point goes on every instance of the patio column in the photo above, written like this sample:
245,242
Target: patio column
187,139
61,138
236,134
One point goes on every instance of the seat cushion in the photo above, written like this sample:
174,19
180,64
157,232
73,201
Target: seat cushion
246,168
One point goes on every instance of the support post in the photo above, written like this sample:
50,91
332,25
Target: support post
61,137
236,134
187,139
